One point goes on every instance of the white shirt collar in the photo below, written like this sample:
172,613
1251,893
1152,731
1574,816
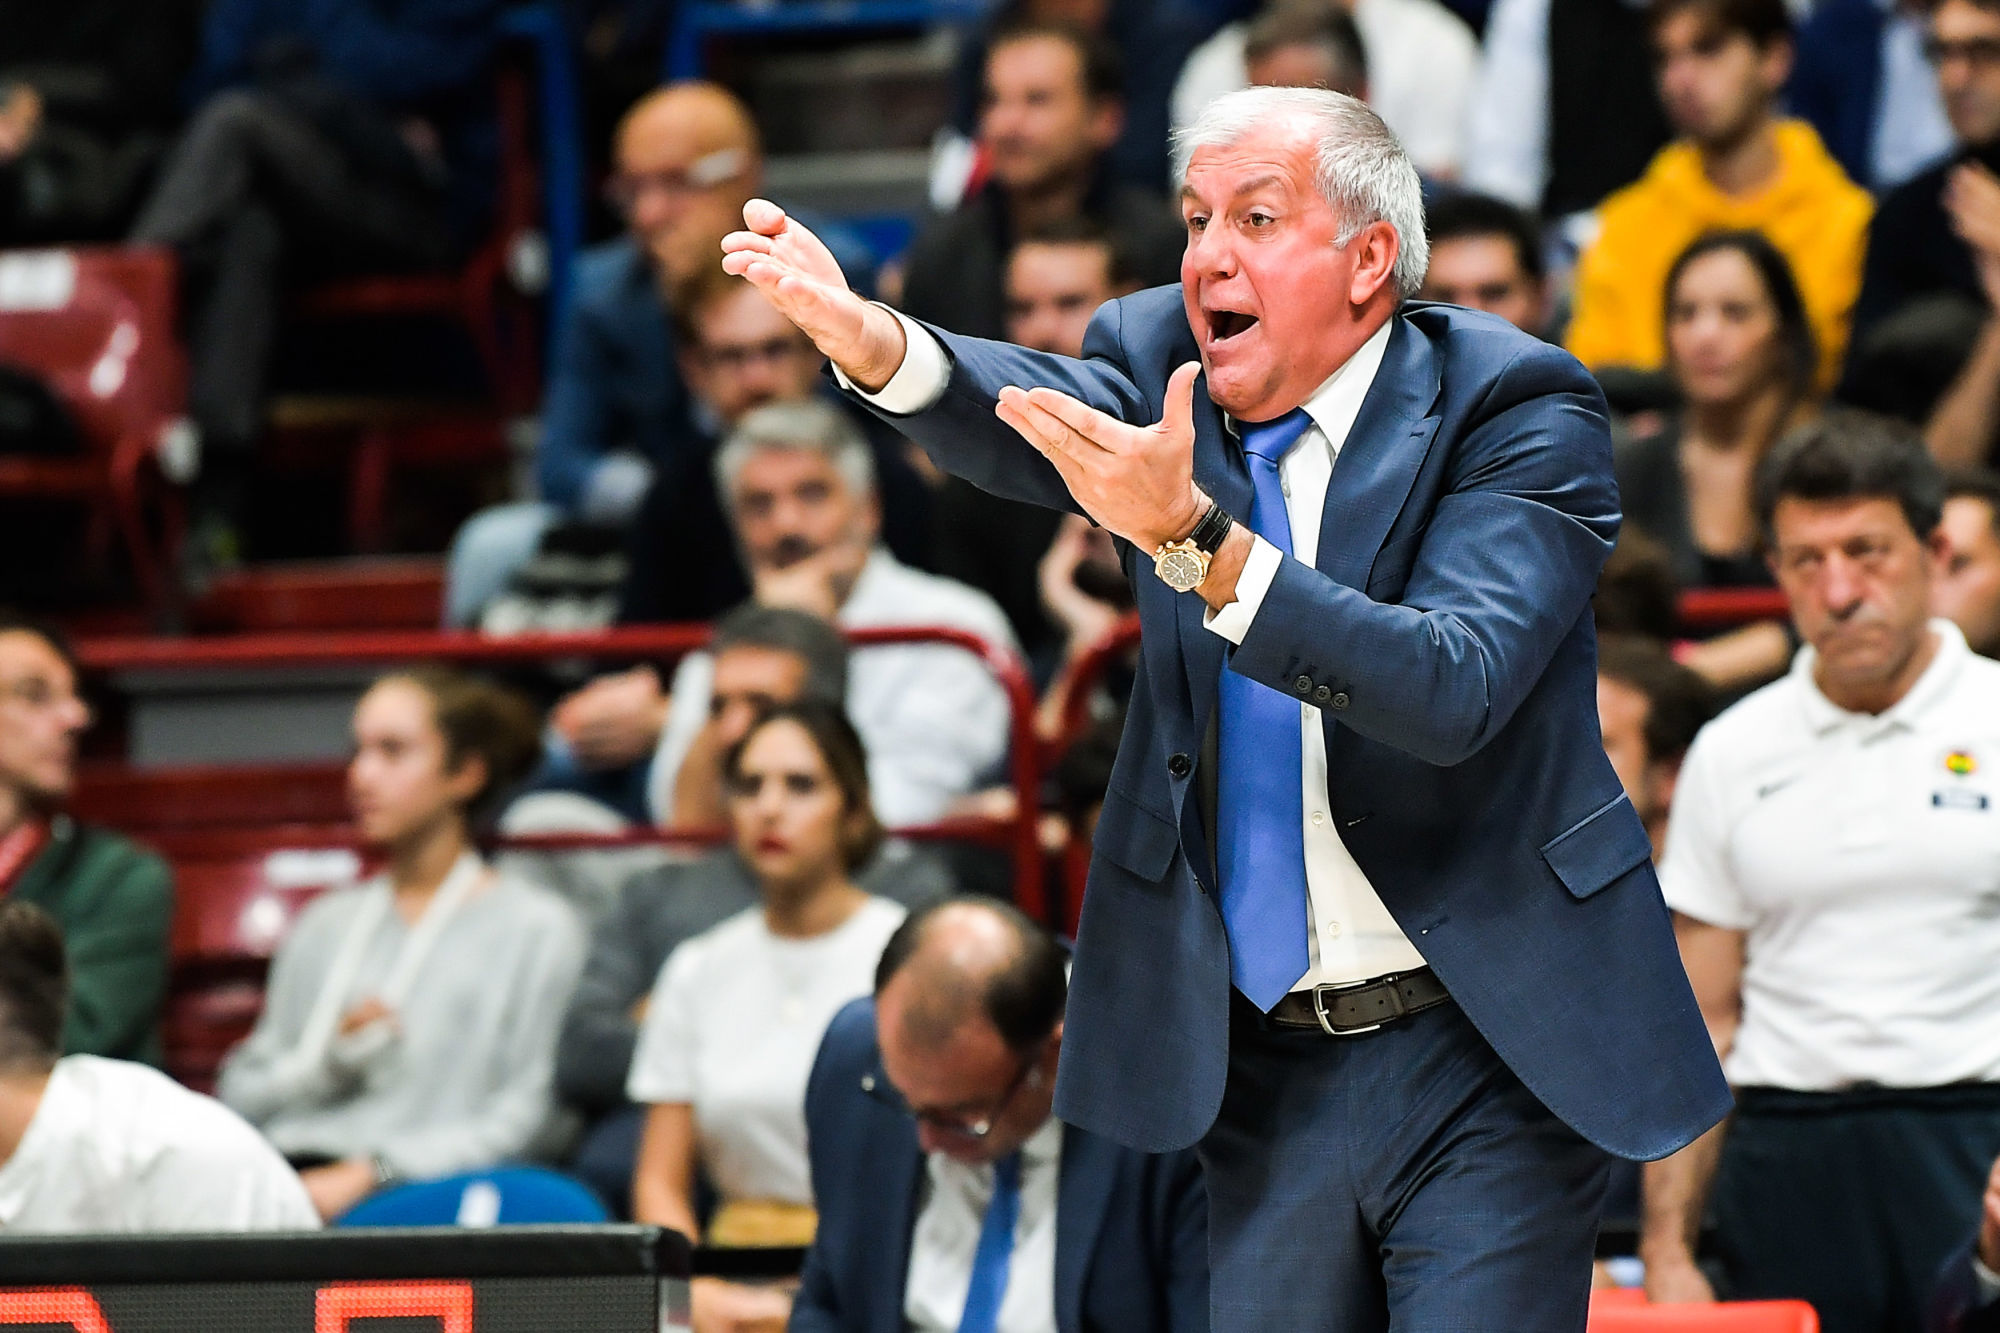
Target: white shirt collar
1337,401
1824,715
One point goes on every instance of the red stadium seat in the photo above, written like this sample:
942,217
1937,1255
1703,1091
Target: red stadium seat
97,325
1725,1317
147,802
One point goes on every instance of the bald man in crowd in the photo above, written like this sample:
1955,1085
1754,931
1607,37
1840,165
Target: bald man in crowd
951,1199
686,157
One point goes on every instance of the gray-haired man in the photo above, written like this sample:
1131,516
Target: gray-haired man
1370,920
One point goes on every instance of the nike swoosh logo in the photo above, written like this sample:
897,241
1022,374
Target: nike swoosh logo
1771,788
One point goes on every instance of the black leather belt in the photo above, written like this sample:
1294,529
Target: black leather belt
1349,1011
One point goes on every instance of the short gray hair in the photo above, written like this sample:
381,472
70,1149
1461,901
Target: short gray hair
809,424
1360,169
784,629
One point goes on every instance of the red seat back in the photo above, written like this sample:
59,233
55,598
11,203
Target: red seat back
147,802
1725,1317
97,325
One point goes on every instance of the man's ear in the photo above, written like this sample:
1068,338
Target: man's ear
1375,249
1776,60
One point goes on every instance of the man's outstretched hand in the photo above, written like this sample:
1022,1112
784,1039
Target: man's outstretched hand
795,270
1138,481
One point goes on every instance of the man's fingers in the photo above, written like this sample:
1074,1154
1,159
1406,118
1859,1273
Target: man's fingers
739,242
1177,414
762,215
1084,421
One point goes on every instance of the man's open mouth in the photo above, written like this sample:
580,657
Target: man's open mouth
1226,324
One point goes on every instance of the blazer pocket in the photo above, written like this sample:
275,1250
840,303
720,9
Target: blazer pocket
1132,836
1599,849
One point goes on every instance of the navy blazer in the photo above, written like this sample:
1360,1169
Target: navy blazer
1445,635
1957,1305
1131,1228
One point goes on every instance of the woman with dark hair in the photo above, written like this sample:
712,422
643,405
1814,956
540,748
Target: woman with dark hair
409,1028
1740,352
734,1022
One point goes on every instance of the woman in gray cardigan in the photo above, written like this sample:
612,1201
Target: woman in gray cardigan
410,1024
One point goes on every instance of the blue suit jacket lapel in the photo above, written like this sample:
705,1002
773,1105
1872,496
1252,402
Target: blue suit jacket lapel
1083,1195
1380,459
887,1265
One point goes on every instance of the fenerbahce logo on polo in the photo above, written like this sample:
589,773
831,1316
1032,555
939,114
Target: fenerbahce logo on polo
1957,795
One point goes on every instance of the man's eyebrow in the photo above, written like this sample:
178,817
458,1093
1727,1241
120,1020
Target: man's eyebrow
1250,186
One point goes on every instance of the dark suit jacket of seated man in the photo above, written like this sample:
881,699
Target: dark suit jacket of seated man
1131,1227
1437,1171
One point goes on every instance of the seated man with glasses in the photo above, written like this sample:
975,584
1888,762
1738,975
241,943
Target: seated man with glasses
112,899
950,1198
620,408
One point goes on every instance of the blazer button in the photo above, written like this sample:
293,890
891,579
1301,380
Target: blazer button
1179,765
1303,684
1341,700
1322,694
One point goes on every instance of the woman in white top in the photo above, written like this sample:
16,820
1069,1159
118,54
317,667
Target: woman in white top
410,1022
729,1034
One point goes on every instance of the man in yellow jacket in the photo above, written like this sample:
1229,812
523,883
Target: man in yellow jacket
1737,164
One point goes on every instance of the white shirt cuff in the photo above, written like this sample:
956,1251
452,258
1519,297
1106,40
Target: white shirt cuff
918,382
1989,1281
1232,622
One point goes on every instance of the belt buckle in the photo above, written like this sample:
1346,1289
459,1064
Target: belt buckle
1398,1007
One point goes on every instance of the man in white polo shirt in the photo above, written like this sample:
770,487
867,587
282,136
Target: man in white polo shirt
100,1146
1833,864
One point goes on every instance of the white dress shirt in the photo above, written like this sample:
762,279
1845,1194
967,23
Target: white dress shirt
119,1147
946,1239
933,718
1351,936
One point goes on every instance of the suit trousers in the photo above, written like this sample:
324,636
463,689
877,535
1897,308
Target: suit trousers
1852,1200
1400,1180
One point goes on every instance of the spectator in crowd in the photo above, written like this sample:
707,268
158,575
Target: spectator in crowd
617,411
728,1034
934,1147
1830,866
1306,45
1967,592
101,1146
1636,593
1649,708
1564,109
409,1027
1418,68
1740,353
333,137
112,899
1967,1298
1487,254
765,658
1926,314
1056,280
739,354
798,489
1737,166
1152,36
1861,80
1054,106
87,102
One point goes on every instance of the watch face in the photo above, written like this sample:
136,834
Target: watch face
1182,571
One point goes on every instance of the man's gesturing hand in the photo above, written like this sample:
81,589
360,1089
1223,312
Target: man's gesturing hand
1138,481
795,270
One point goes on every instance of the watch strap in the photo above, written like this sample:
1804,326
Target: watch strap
1213,526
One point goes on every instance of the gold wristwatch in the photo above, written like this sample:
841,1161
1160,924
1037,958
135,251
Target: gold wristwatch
1182,565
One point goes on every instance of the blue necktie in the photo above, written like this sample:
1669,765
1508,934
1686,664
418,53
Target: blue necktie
996,1249
1260,843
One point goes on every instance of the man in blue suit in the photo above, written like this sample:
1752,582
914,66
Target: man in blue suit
1369,918
951,1200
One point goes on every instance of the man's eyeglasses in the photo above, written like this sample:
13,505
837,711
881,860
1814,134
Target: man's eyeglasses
738,356
958,1121
1980,52
625,189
